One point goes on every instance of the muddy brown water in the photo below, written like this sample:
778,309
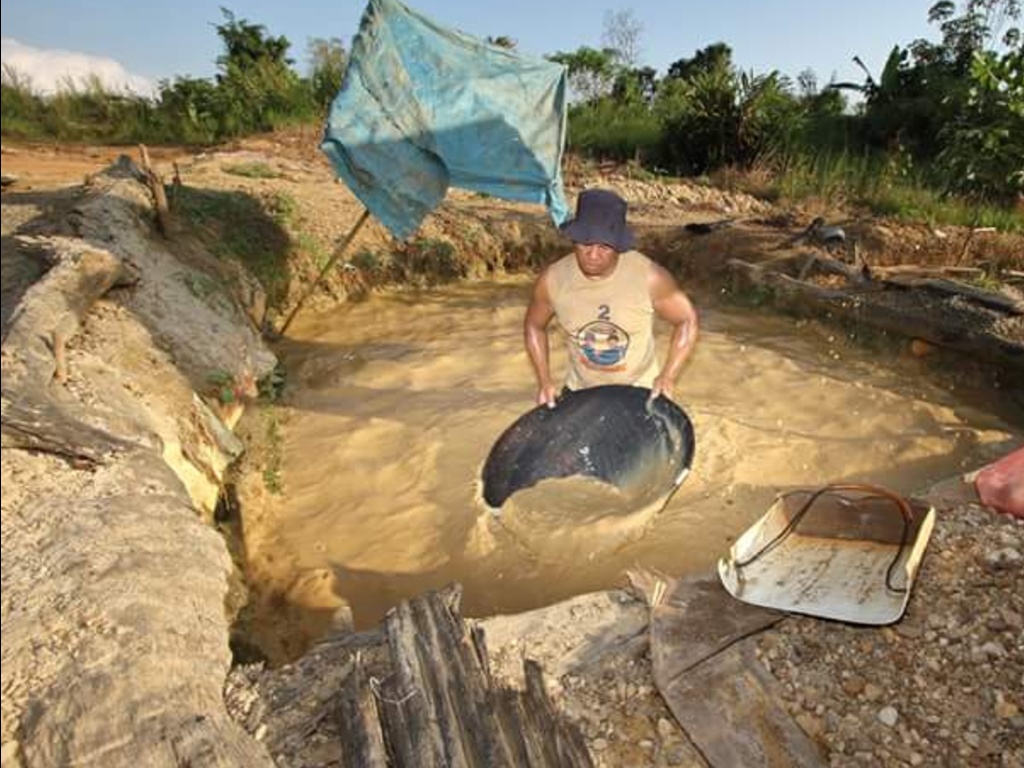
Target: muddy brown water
394,402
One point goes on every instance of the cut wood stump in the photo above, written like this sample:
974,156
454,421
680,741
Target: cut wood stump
439,706
156,188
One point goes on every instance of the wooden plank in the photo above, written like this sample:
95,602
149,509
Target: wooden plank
696,619
358,717
439,707
729,707
719,693
156,188
922,270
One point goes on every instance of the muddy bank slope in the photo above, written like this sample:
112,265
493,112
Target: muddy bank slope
114,583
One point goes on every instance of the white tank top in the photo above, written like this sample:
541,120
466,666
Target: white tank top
608,323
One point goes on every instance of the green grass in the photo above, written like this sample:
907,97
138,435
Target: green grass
239,226
274,451
313,249
84,111
251,170
366,261
883,186
433,258
224,385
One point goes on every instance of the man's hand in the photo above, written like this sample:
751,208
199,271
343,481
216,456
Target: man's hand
547,394
662,386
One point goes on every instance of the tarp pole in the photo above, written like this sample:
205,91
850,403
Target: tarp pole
323,272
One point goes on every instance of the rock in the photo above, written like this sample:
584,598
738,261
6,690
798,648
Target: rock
907,629
993,650
1003,559
854,686
7,180
872,692
888,716
1006,710
1014,620
811,725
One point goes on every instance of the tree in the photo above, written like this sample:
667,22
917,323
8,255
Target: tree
327,60
816,101
983,147
258,89
248,44
635,86
977,28
591,72
622,32
705,60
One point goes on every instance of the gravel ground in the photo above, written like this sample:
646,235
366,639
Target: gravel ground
942,687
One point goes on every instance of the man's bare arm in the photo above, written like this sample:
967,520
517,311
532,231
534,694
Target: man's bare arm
535,334
672,305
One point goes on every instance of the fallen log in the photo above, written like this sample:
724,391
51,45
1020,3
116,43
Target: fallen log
34,346
34,355
38,424
921,270
825,263
867,308
989,299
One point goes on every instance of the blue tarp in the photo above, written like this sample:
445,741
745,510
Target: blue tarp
422,108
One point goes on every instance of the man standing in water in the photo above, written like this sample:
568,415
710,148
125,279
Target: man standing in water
605,296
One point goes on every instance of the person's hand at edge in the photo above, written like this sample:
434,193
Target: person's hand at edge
662,386
547,394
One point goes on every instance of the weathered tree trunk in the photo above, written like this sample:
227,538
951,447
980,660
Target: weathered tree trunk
438,706
34,355
359,723
806,298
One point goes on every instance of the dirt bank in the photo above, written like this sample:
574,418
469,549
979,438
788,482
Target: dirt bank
117,433
114,581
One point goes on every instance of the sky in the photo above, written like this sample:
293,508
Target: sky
136,44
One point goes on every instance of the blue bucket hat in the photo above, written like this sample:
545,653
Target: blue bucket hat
600,218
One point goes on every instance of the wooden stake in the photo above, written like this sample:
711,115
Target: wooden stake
156,187
323,272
